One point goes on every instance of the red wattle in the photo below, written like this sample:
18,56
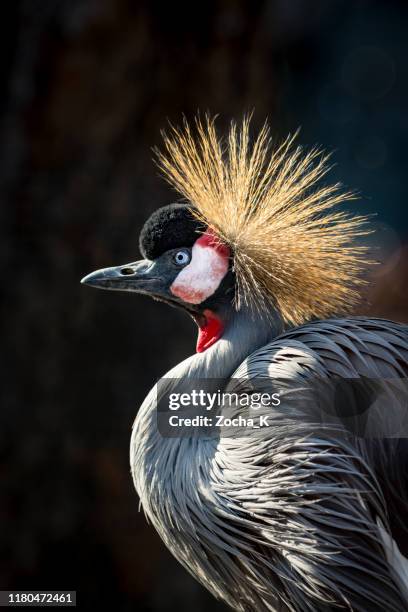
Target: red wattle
210,332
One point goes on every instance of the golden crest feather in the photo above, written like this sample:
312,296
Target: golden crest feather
290,248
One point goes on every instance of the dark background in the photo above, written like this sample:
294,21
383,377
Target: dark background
86,88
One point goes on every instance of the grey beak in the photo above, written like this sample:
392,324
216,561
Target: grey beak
135,276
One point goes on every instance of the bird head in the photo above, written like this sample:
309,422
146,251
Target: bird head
185,265
258,230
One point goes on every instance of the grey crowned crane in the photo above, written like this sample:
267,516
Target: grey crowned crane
293,517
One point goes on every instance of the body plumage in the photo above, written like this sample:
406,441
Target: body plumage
287,521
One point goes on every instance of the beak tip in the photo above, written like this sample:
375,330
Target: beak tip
91,279
85,279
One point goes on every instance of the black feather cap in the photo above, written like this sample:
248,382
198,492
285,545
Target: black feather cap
169,227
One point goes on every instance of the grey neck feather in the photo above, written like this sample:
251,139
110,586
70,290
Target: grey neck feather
158,463
243,335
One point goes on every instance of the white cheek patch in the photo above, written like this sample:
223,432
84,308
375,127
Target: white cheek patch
203,275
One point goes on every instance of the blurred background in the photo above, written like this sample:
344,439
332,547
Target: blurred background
87,85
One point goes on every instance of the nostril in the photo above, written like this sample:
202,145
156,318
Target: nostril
127,271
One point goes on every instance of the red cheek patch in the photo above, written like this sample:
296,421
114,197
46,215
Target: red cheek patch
203,275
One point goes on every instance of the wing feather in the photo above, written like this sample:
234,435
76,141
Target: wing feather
329,492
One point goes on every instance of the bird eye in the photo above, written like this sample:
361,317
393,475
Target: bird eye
181,258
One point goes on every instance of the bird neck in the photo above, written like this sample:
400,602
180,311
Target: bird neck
156,460
244,333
